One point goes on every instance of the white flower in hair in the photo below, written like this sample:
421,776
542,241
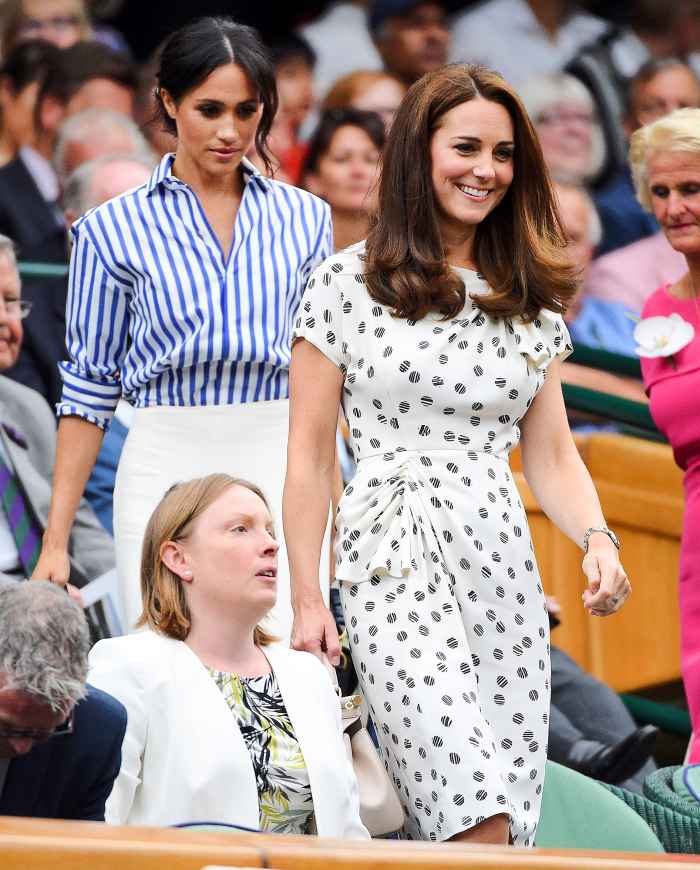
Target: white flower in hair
662,336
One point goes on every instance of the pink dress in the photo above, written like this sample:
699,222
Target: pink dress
674,395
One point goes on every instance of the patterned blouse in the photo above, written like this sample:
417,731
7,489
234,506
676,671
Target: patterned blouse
282,779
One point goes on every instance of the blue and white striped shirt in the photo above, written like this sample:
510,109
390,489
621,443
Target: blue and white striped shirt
158,314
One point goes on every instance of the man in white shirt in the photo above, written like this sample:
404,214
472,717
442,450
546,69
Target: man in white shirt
523,38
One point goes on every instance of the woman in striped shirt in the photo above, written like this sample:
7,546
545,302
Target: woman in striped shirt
181,300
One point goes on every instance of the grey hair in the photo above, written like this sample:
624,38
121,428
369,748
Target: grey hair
541,92
77,193
44,643
92,122
9,249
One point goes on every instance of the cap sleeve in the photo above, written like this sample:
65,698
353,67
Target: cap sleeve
320,316
544,339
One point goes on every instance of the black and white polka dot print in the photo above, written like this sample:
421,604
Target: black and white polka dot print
440,588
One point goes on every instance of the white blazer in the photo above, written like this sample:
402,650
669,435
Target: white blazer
183,756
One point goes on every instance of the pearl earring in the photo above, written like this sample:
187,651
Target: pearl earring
188,573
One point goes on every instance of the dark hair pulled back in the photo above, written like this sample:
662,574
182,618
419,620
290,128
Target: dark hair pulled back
331,121
193,52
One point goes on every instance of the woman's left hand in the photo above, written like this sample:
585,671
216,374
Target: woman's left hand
608,586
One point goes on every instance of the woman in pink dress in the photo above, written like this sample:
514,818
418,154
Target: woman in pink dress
665,158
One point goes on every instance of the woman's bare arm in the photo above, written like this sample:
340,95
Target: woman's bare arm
315,385
78,444
565,491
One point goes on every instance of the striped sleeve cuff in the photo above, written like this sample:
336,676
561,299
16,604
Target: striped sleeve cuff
93,399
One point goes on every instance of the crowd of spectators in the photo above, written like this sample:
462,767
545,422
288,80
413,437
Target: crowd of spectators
77,129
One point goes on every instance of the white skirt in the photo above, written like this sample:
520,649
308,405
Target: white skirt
170,444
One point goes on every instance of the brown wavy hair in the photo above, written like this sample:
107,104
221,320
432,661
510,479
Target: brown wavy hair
165,607
518,247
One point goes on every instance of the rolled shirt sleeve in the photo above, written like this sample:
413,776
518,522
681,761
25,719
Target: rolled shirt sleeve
96,332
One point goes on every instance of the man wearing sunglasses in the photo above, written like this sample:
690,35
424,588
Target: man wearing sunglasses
60,739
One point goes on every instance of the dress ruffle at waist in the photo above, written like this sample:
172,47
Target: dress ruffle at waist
379,520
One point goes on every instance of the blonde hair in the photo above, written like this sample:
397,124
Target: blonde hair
165,607
348,87
677,131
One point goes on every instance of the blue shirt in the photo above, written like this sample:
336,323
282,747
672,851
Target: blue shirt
605,325
158,313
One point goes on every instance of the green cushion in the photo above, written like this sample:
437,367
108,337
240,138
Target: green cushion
686,783
579,813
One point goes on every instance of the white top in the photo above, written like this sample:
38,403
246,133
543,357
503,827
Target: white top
506,35
343,26
184,758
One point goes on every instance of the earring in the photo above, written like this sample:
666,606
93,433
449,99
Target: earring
187,572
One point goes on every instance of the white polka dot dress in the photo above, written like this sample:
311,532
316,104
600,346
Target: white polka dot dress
441,593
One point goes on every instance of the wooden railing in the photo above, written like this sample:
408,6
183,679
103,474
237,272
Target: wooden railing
27,844
641,492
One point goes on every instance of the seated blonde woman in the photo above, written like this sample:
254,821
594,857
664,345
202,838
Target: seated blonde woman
224,725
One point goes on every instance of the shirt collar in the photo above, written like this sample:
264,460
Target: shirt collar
42,172
162,175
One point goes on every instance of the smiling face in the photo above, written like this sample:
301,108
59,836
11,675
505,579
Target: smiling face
566,135
674,185
228,561
348,170
216,122
10,327
472,163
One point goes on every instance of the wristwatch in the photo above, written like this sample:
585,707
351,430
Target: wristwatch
605,530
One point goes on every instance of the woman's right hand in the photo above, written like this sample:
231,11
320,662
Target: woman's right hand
314,631
53,565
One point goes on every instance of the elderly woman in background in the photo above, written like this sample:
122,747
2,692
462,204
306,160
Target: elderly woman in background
223,724
369,90
563,113
341,167
665,158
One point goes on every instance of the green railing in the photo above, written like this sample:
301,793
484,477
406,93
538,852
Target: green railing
42,270
617,363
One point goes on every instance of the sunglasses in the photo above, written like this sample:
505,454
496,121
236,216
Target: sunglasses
37,735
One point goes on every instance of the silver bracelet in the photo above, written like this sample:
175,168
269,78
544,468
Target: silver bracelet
605,530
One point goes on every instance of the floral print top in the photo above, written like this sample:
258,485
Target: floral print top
282,780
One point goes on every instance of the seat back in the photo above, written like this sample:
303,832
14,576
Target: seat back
579,813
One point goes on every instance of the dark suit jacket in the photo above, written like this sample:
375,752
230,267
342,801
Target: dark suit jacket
70,777
27,218
44,342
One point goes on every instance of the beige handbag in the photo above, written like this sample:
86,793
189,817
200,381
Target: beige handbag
380,808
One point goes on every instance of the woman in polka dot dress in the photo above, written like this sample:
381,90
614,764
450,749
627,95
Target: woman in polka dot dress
442,335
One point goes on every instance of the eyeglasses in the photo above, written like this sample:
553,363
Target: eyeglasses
15,309
565,116
38,735
60,23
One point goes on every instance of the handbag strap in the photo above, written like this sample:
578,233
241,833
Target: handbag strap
350,705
